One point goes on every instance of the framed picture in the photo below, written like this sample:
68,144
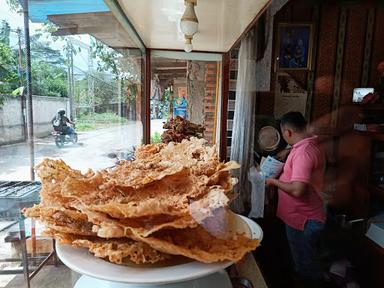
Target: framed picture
294,46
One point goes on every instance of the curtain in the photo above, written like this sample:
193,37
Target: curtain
263,72
244,119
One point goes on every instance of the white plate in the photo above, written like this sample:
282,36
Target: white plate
83,262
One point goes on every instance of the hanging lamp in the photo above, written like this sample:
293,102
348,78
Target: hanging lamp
189,23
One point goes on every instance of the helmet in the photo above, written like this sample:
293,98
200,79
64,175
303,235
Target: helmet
61,112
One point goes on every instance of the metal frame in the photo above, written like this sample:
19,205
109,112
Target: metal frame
224,105
28,274
124,21
147,97
29,90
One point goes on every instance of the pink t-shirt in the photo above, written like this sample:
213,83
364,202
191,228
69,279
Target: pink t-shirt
305,164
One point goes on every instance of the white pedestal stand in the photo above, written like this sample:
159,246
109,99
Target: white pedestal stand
218,279
98,273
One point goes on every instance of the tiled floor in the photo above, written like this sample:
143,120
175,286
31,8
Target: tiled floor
49,277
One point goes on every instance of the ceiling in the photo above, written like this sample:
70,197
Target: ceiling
168,69
221,22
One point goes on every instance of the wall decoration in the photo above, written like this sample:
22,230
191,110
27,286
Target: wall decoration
294,46
289,95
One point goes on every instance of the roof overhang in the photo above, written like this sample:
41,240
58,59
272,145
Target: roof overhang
101,25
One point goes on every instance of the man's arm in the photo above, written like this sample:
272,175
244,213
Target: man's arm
294,188
68,120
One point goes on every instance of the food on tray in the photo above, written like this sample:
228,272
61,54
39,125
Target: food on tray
178,129
119,251
171,200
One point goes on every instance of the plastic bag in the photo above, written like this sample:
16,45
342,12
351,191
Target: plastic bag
257,194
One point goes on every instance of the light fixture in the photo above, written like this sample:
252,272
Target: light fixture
189,22
188,44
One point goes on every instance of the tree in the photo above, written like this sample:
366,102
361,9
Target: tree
5,31
41,50
48,79
8,70
120,63
14,5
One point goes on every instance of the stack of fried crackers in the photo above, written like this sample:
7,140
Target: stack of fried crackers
171,201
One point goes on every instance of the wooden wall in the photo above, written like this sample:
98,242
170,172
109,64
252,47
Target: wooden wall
349,44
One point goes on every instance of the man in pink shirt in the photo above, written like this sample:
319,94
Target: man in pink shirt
300,204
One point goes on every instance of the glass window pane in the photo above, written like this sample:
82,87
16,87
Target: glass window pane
100,91
187,89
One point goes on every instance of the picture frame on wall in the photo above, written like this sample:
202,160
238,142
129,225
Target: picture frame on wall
294,46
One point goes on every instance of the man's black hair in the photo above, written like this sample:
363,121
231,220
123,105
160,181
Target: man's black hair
294,120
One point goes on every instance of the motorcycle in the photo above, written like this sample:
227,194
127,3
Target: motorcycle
62,138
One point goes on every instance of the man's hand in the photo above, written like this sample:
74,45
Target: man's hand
283,155
271,182
295,188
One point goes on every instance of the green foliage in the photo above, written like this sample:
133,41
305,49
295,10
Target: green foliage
82,126
160,109
106,118
14,5
48,80
92,121
41,50
5,31
103,91
165,103
8,70
105,88
121,64
49,76
156,138
107,56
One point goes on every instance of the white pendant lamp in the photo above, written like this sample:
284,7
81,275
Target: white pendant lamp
189,23
188,44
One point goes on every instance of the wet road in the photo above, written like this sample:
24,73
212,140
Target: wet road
92,150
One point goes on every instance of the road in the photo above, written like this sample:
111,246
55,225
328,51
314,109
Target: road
92,150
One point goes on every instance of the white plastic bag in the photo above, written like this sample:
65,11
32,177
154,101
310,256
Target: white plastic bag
258,193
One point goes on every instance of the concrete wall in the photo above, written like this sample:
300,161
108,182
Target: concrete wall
196,91
11,120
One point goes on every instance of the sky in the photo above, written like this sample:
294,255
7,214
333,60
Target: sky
16,20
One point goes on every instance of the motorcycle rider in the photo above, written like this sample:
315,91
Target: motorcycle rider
60,121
